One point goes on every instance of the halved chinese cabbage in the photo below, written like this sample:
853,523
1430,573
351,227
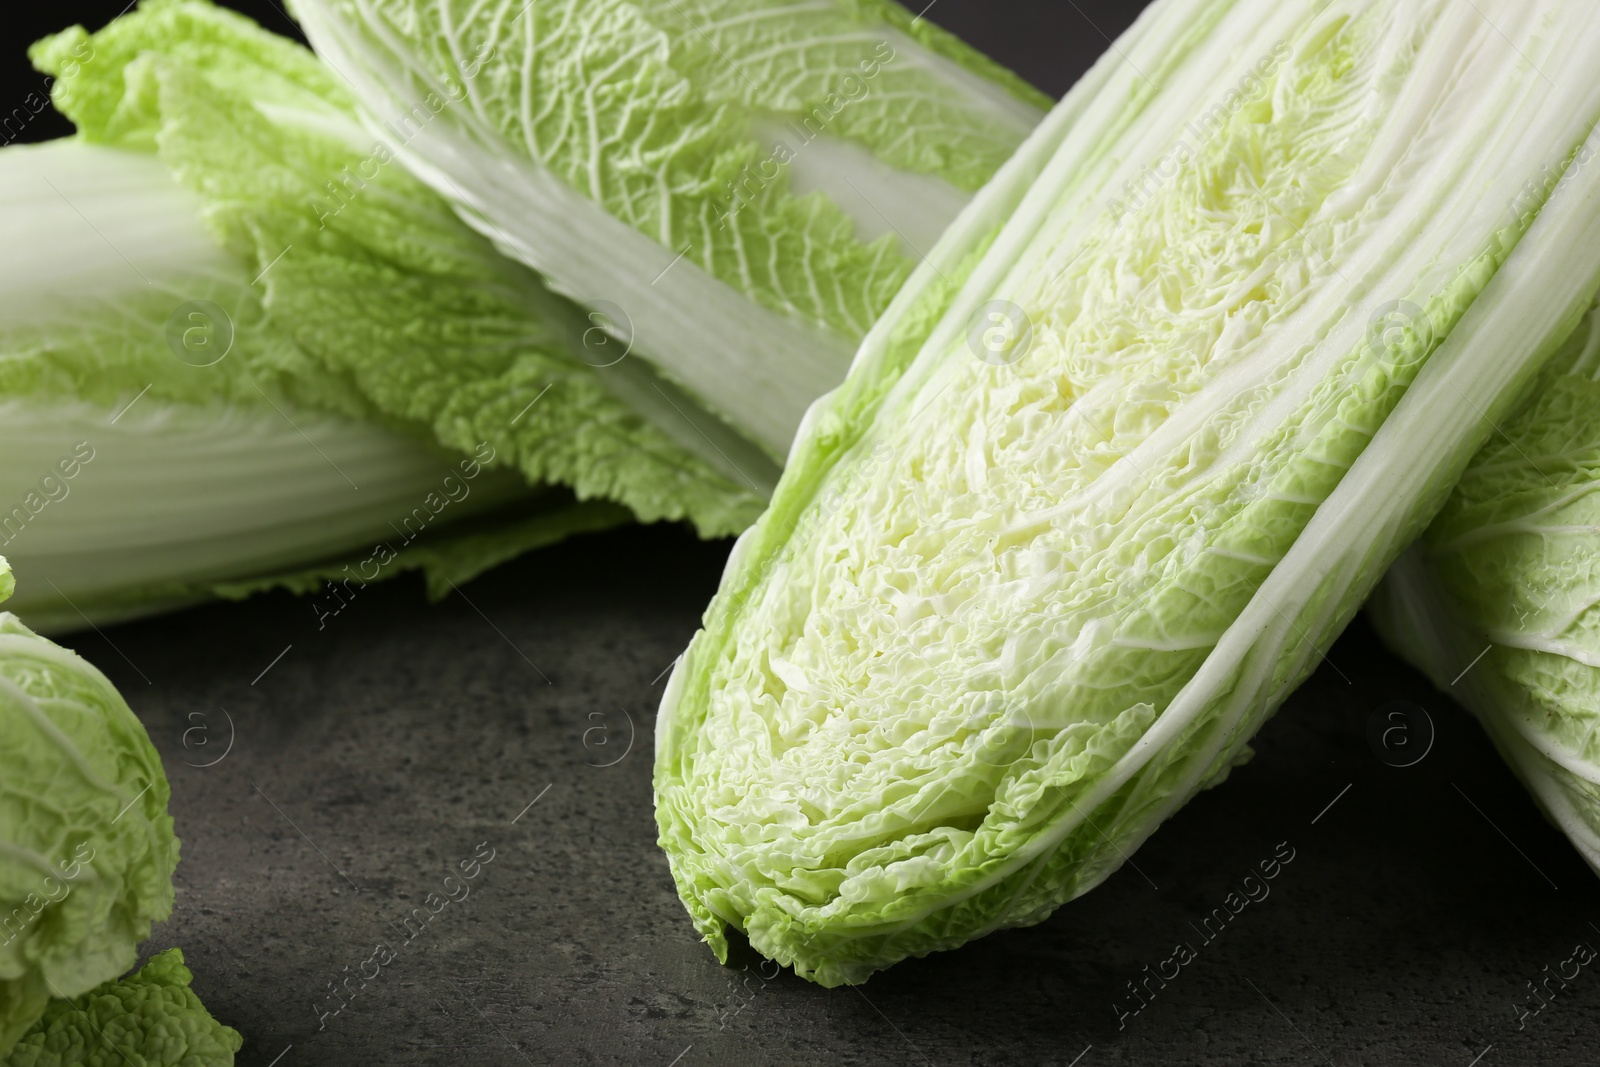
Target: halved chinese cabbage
1120,461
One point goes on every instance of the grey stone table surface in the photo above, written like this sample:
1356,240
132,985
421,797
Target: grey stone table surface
325,782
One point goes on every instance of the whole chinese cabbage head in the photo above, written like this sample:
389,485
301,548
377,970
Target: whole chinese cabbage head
86,845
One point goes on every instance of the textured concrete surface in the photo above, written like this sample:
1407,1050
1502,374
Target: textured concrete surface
376,755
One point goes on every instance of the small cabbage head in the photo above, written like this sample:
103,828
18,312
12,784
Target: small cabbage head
86,845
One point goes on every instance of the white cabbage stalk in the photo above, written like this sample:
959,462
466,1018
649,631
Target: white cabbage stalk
1121,460
740,186
1499,603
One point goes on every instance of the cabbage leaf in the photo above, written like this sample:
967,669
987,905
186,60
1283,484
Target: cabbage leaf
149,1019
744,183
276,343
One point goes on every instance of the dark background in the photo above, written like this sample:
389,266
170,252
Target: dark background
353,774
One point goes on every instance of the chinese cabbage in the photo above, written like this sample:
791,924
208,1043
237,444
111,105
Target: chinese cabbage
1120,461
748,181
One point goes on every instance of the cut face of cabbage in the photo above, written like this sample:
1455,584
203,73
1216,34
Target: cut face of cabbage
1124,456
748,181
1499,603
